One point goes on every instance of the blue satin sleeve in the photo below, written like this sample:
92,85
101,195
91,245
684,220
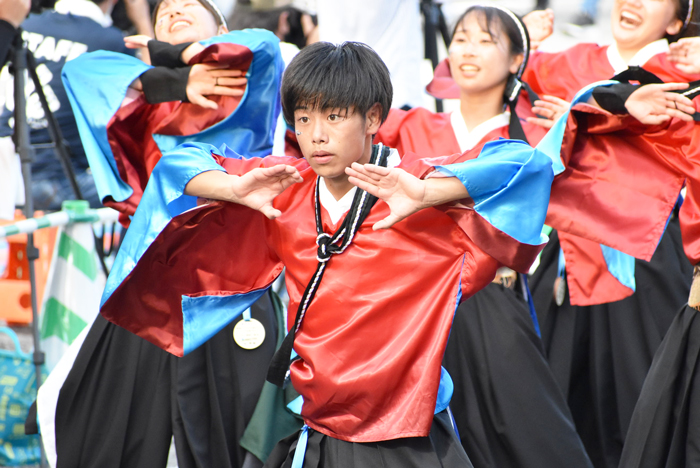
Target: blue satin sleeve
552,141
510,184
163,199
96,84
250,128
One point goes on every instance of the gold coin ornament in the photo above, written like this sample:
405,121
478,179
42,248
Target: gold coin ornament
249,334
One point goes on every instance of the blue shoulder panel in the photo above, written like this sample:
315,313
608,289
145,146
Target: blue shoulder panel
551,143
162,200
510,184
96,84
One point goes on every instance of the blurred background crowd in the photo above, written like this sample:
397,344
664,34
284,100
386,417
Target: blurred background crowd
400,30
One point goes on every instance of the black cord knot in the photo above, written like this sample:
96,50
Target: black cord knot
326,248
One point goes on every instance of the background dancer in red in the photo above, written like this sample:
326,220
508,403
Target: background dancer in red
600,338
208,85
663,429
494,354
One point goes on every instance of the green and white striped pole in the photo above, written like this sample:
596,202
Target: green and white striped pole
75,281
72,213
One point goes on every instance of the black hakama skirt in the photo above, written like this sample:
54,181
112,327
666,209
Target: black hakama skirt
441,449
124,399
507,406
665,427
600,355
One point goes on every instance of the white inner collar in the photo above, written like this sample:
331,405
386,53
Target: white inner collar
468,140
640,58
337,208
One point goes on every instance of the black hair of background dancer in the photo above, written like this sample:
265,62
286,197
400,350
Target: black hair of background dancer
296,29
495,20
205,4
349,76
39,5
693,28
269,19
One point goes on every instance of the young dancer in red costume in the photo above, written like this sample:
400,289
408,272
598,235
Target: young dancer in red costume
373,306
601,338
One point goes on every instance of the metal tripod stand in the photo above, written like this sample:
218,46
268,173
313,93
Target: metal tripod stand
23,62
434,22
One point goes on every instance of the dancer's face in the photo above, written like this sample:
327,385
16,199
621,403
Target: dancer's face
333,139
179,21
636,23
480,61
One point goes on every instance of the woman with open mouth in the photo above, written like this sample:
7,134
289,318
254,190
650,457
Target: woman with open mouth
600,335
492,337
502,379
207,84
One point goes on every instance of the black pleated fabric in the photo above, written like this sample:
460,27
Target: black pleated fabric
542,286
600,355
508,408
441,449
125,398
665,427
114,407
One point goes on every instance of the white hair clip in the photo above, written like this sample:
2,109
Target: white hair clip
221,18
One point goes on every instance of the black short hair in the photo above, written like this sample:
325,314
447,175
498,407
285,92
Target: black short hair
348,76
244,17
691,29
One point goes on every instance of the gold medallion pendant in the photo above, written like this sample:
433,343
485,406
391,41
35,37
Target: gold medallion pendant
249,333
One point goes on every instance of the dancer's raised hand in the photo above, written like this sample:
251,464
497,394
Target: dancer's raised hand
655,104
209,80
403,192
259,187
255,189
685,54
548,108
540,25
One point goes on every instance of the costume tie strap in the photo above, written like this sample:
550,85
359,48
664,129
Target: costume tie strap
327,247
515,128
